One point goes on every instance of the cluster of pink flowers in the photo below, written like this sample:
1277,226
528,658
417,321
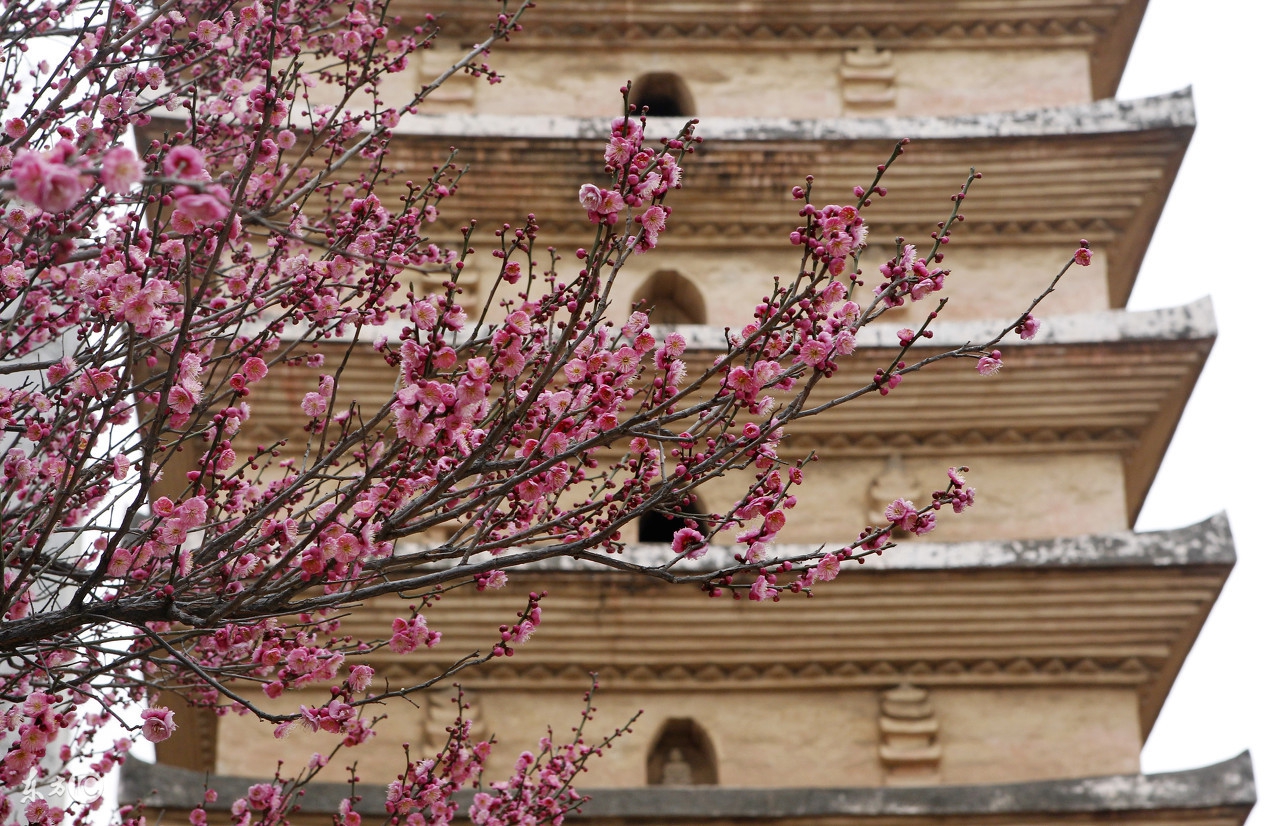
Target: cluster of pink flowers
520,632
36,723
641,176
902,514
46,179
909,277
408,635
264,803
424,794
540,788
244,255
835,233
990,364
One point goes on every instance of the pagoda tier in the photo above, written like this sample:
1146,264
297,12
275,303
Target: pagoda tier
1100,171
1072,643
1090,39
1068,437
1218,795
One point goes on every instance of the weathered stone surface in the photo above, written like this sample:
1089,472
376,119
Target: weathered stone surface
1190,321
1174,110
1204,543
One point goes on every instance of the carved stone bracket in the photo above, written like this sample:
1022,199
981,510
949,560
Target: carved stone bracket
868,81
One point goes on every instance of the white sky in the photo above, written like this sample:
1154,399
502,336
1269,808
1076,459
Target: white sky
1221,215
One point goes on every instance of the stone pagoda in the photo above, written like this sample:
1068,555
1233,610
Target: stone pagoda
1009,669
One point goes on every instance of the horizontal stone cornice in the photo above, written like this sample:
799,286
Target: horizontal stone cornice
1169,111
1224,792
1204,543
1188,322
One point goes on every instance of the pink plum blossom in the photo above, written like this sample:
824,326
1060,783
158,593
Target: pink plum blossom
689,543
989,365
121,169
828,568
183,161
194,210
157,724
46,181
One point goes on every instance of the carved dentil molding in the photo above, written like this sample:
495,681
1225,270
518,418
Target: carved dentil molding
875,674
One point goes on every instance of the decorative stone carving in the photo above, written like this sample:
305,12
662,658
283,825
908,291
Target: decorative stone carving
681,755
868,81
910,754
671,24
676,771
844,674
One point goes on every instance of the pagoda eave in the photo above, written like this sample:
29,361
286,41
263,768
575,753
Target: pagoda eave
1101,171
1107,610
1221,794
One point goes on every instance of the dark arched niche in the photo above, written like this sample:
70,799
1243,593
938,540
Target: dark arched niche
682,755
664,93
671,298
661,527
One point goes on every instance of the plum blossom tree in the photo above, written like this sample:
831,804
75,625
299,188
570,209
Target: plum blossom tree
151,288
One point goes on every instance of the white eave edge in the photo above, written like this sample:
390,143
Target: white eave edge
1187,322
1205,543
1168,111
1193,321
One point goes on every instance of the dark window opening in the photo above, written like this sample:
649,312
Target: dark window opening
656,526
671,298
682,756
665,94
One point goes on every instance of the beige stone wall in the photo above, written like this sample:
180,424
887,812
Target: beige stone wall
1019,734
1019,496
969,81
584,82
987,281
816,738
